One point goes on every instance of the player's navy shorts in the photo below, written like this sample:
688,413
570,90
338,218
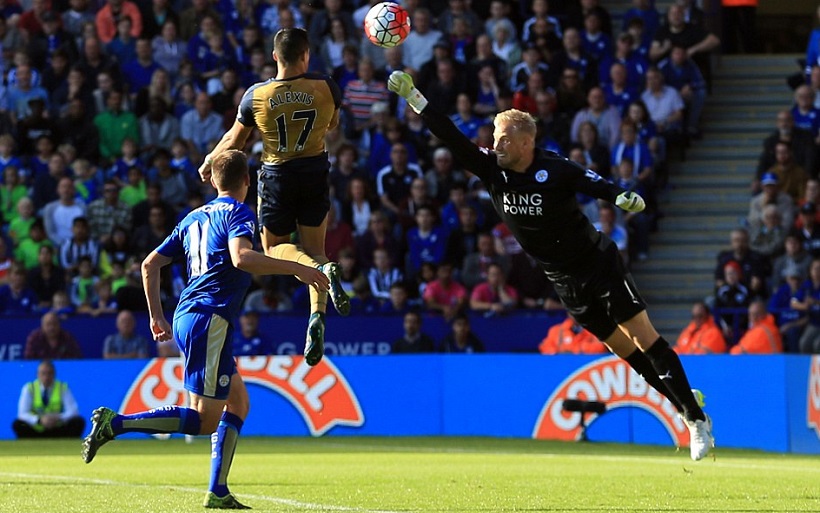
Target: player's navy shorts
296,192
600,294
206,342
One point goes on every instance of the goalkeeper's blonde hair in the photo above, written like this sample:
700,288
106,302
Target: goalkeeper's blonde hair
519,120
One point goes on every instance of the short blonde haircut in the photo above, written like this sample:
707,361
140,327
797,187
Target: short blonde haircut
520,121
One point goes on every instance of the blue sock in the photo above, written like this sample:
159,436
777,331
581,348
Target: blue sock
223,445
165,419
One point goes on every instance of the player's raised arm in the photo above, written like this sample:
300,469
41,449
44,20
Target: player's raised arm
151,267
590,183
470,155
246,259
234,139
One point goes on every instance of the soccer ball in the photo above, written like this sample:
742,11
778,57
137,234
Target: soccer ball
387,24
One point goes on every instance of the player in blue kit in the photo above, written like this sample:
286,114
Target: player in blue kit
216,240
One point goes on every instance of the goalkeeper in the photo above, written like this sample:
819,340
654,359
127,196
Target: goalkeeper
534,193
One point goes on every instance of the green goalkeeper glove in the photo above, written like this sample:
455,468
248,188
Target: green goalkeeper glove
630,201
402,84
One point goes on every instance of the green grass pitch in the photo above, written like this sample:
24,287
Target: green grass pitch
404,475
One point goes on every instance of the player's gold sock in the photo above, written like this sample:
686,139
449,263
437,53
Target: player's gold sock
292,252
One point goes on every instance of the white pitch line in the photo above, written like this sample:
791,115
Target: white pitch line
277,500
595,457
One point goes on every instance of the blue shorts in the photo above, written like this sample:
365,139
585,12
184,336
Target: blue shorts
206,342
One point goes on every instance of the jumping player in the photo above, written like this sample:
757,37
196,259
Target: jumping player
534,193
293,112
216,239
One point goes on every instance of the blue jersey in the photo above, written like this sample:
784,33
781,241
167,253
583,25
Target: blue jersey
215,286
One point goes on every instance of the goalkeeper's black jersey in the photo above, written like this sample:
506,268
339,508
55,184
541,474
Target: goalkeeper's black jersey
539,206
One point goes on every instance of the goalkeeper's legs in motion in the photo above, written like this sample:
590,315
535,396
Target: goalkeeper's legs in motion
637,342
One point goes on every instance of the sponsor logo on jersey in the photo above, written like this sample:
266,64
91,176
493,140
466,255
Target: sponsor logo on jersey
813,395
611,381
541,176
519,204
321,394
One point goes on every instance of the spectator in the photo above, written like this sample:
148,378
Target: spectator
442,176
51,341
418,47
16,299
426,242
201,127
802,143
155,16
107,212
524,98
393,181
123,46
805,115
413,340
139,74
77,15
461,338
115,10
359,205
383,275
5,261
617,91
168,49
399,302
573,56
570,96
20,226
28,249
20,95
807,299
607,225
494,296
12,191
59,215
172,183
463,237
444,294
594,41
103,301
378,235
78,129
47,408
360,94
570,337
530,64
343,170
409,207
83,287
771,195
752,268
795,258
363,302
114,126
149,236
135,192
702,335
679,32
790,175
790,321
605,118
268,299
663,102
248,340
78,246
767,237
809,234
647,131
47,278
476,265
681,73
763,336
731,295
339,235
126,343
53,44
598,156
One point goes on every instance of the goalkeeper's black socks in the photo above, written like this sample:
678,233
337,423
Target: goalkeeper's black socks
638,361
670,370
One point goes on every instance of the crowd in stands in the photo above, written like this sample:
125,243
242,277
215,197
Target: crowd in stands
767,285
108,107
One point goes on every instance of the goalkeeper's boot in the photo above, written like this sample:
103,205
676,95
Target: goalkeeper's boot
315,342
101,432
701,440
226,502
340,299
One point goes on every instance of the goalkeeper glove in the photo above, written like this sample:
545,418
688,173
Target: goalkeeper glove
402,84
630,201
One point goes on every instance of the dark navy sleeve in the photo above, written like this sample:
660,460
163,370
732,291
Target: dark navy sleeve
245,112
478,161
590,183
334,91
